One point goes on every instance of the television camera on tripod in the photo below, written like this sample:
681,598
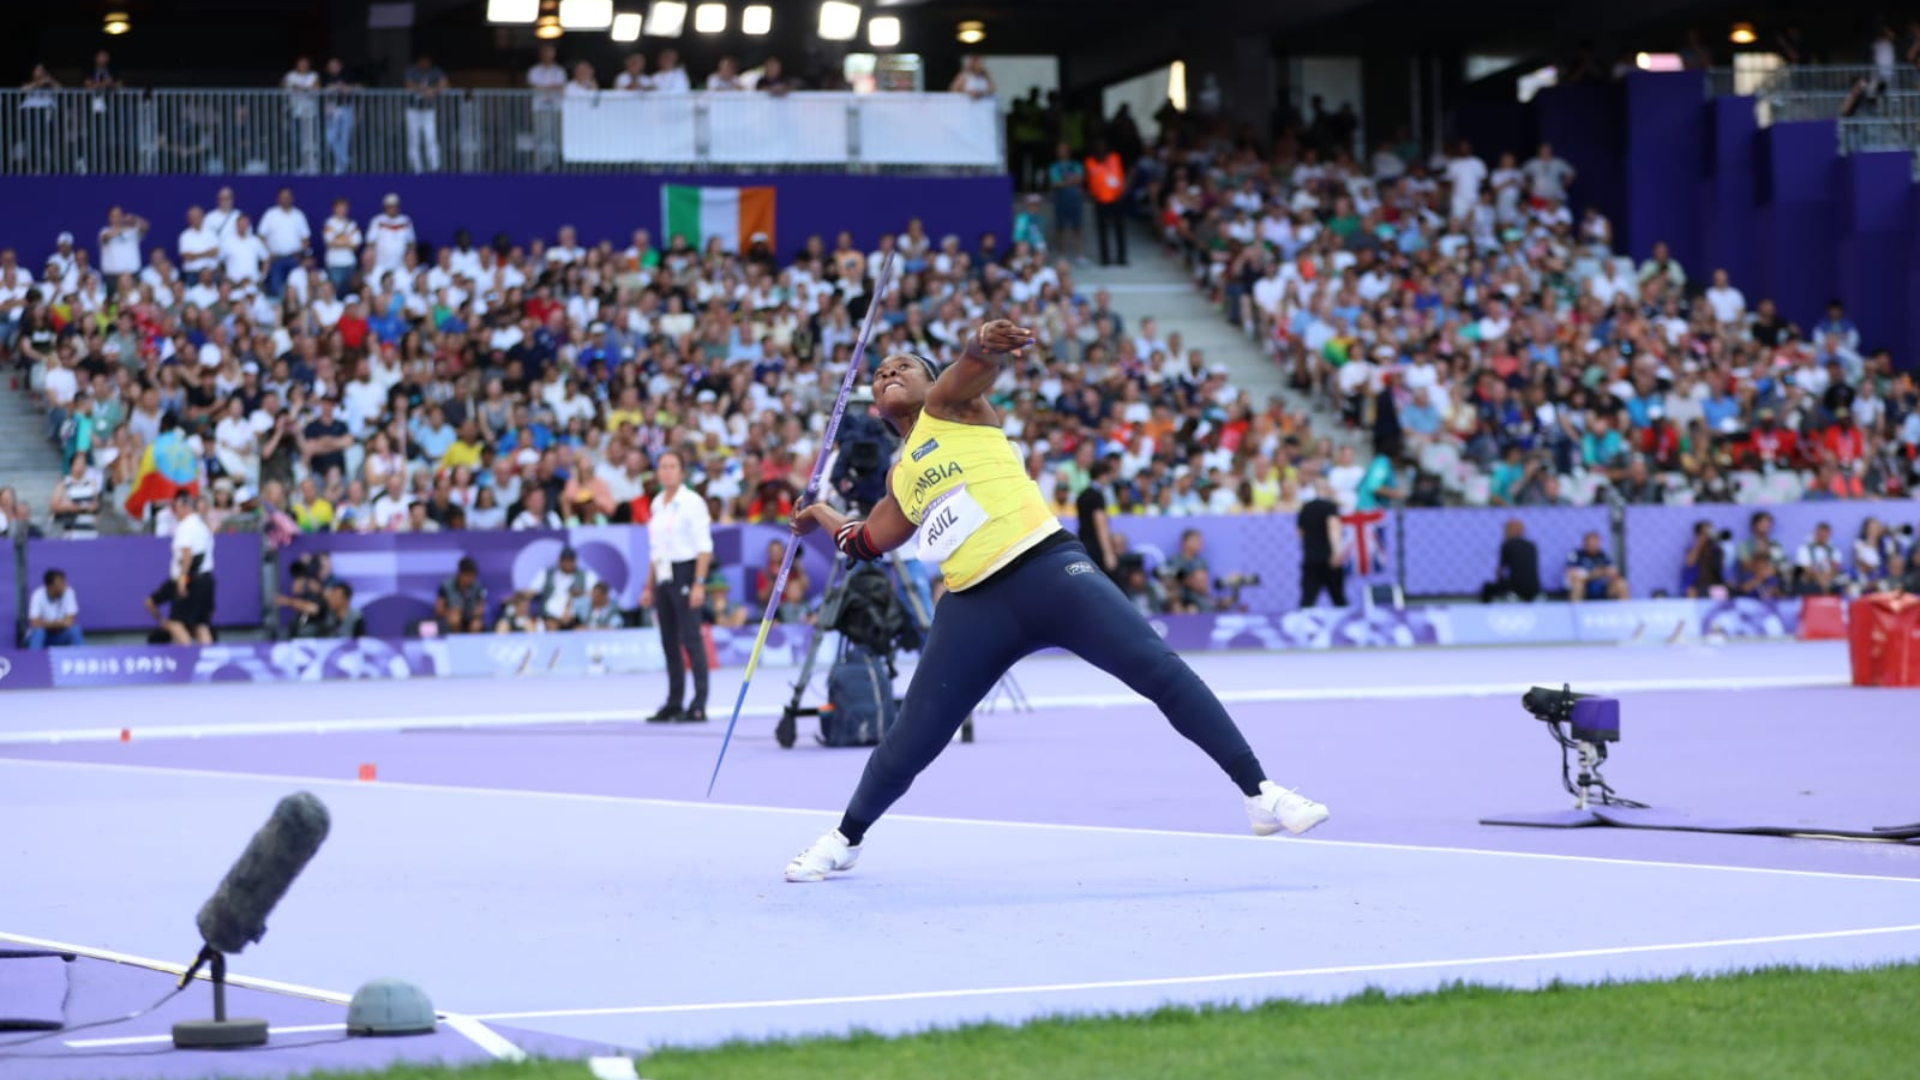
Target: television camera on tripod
877,612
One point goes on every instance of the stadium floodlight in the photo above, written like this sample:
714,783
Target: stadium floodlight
512,11
972,32
116,23
883,32
710,18
666,18
839,20
757,19
1743,34
586,14
626,26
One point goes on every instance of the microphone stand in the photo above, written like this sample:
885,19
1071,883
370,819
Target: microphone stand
219,1033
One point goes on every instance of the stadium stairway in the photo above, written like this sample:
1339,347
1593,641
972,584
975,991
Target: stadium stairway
29,464
1158,286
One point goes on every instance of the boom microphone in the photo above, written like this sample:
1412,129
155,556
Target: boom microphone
236,914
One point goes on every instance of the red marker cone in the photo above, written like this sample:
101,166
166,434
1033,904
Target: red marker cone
125,735
367,772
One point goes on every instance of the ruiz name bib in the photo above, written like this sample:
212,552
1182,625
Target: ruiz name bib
948,522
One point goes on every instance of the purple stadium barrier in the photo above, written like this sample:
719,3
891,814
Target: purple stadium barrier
395,577
1453,551
9,626
112,575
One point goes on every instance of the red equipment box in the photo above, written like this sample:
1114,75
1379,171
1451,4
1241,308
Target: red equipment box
1884,640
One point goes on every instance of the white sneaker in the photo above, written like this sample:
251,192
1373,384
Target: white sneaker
828,854
1277,808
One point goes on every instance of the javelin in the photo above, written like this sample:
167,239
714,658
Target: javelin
813,490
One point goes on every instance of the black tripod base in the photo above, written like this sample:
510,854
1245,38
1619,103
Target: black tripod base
787,731
219,1034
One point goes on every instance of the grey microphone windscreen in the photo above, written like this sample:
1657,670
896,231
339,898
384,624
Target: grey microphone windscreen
237,912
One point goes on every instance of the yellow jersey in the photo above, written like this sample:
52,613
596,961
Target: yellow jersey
967,490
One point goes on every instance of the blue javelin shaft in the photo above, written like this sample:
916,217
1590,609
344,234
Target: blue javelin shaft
813,490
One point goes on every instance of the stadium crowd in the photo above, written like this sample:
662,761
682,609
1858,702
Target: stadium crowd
1487,338
333,373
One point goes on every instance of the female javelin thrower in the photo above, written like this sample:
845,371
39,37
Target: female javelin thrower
1017,582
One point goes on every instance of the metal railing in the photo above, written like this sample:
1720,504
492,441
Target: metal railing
1835,78
1876,109
271,131
1878,134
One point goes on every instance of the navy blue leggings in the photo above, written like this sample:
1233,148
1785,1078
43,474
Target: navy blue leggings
1053,597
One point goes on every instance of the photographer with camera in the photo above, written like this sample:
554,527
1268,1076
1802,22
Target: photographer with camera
863,452
1704,573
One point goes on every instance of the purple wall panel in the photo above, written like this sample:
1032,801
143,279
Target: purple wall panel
1873,224
1454,551
1727,194
1908,273
600,207
1665,126
1796,227
113,575
1583,124
10,627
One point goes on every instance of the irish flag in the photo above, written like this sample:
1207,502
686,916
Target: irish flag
733,214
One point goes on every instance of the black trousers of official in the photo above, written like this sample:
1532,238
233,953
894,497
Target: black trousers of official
1110,218
680,629
1315,577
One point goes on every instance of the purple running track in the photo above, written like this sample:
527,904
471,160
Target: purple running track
565,879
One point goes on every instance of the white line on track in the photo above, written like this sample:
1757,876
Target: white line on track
484,1037
137,1040
1198,980
1274,695
472,1028
1120,830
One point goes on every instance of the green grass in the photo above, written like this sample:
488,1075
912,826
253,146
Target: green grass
1787,1023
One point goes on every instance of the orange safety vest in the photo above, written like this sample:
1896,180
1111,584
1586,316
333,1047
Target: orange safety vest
1106,178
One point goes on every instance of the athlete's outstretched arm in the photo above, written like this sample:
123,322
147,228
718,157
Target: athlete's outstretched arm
968,379
882,531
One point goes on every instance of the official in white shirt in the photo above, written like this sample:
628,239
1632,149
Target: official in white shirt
680,548
189,593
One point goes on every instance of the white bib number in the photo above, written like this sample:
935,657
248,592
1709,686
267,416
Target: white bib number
948,522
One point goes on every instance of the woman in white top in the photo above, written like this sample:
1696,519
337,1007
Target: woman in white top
1873,549
973,79
635,76
584,84
236,445
727,77
381,462
486,512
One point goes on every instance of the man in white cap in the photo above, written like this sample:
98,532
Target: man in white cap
63,256
391,233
